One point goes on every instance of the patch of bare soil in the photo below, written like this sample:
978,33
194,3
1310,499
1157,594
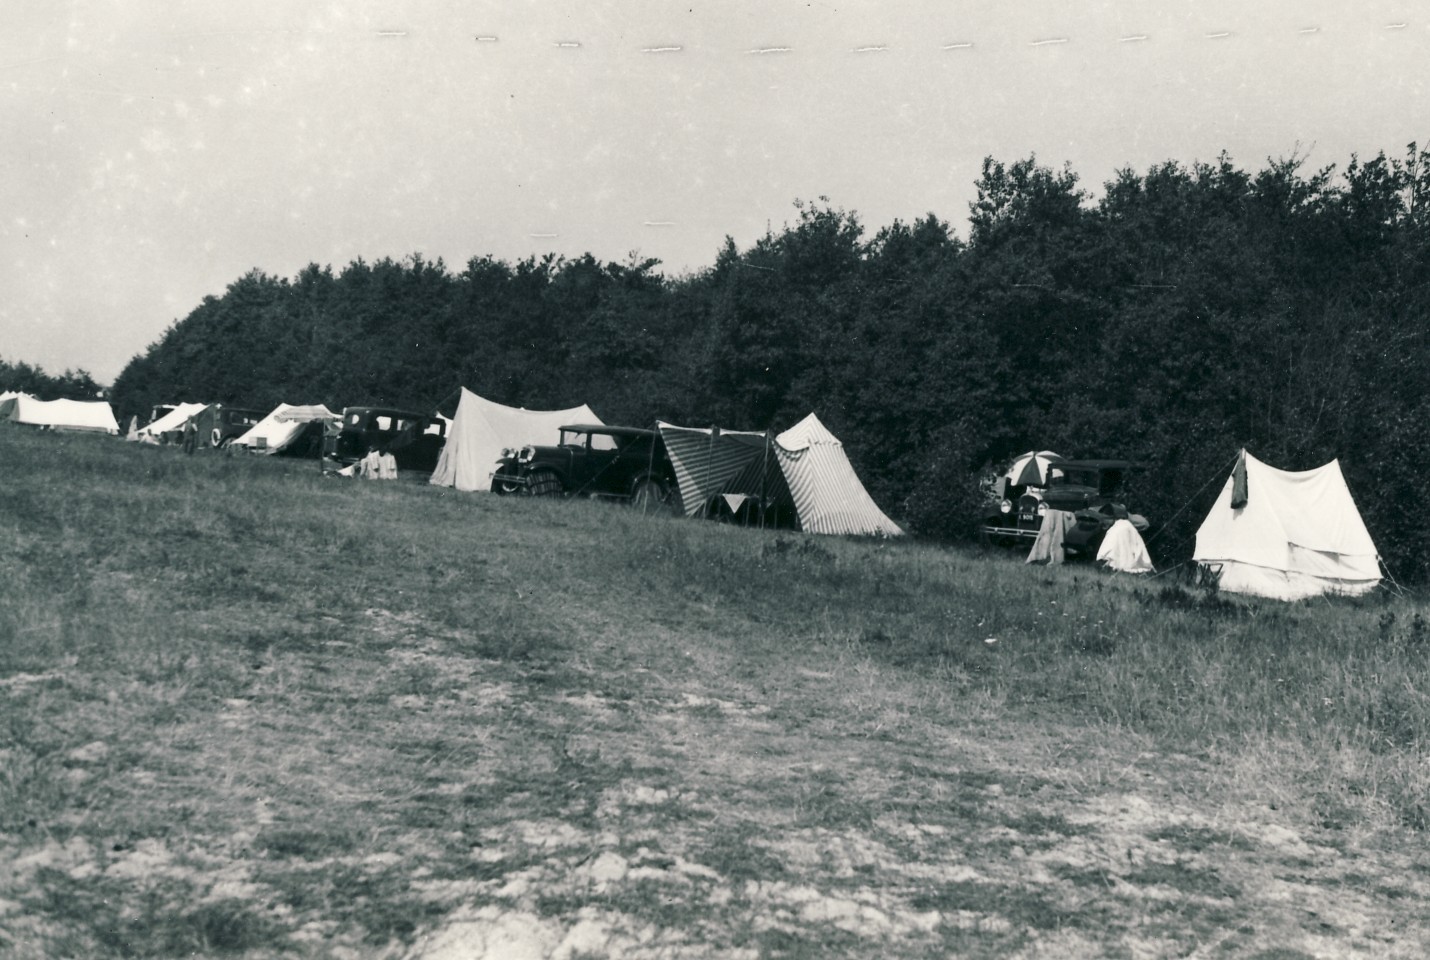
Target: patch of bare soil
748,825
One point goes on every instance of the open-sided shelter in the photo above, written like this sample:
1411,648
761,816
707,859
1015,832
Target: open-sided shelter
87,415
172,421
284,427
805,466
483,428
1287,534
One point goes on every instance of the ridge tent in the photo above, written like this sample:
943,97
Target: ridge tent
814,475
94,416
173,420
283,427
1296,534
482,428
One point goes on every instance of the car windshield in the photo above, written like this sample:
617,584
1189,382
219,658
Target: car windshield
1105,482
594,441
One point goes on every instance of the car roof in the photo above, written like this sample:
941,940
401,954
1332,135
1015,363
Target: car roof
1094,464
601,428
386,412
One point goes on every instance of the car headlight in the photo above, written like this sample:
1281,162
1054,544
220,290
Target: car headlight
508,452
1006,506
1042,507
528,453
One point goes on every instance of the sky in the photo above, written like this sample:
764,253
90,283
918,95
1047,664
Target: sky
151,153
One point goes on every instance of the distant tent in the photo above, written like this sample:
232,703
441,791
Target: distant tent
813,474
173,420
283,427
1298,535
133,433
9,400
481,429
96,416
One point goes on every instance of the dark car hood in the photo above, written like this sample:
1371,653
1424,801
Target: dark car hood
1070,496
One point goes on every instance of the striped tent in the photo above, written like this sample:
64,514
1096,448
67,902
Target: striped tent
803,470
827,493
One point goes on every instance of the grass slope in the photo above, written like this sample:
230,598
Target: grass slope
246,711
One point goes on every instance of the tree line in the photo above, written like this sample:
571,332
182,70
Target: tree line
20,377
1177,315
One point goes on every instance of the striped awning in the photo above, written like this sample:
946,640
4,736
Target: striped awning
711,462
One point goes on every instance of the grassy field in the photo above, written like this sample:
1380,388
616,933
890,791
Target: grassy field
252,712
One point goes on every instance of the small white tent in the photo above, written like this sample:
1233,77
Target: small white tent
481,429
172,420
1293,534
283,426
96,416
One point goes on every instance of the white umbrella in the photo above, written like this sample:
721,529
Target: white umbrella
1032,468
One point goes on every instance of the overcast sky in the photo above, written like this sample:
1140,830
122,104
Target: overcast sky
155,151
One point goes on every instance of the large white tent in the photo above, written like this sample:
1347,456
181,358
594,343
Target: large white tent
1287,534
283,426
172,420
805,465
95,415
482,428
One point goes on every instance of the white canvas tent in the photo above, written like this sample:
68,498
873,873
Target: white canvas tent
283,426
172,420
813,473
1296,534
481,429
96,416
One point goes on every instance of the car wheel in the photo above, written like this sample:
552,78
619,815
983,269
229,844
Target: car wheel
649,497
543,483
504,488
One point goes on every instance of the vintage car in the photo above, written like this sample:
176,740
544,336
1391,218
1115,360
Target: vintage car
414,439
219,424
1091,490
594,460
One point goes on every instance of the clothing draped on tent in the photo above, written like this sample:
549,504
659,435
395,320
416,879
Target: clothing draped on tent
1122,549
1297,535
482,428
1048,547
814,476
283,426
90,415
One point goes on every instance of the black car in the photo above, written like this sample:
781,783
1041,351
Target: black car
219,424
593,460
414,439
1092,490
